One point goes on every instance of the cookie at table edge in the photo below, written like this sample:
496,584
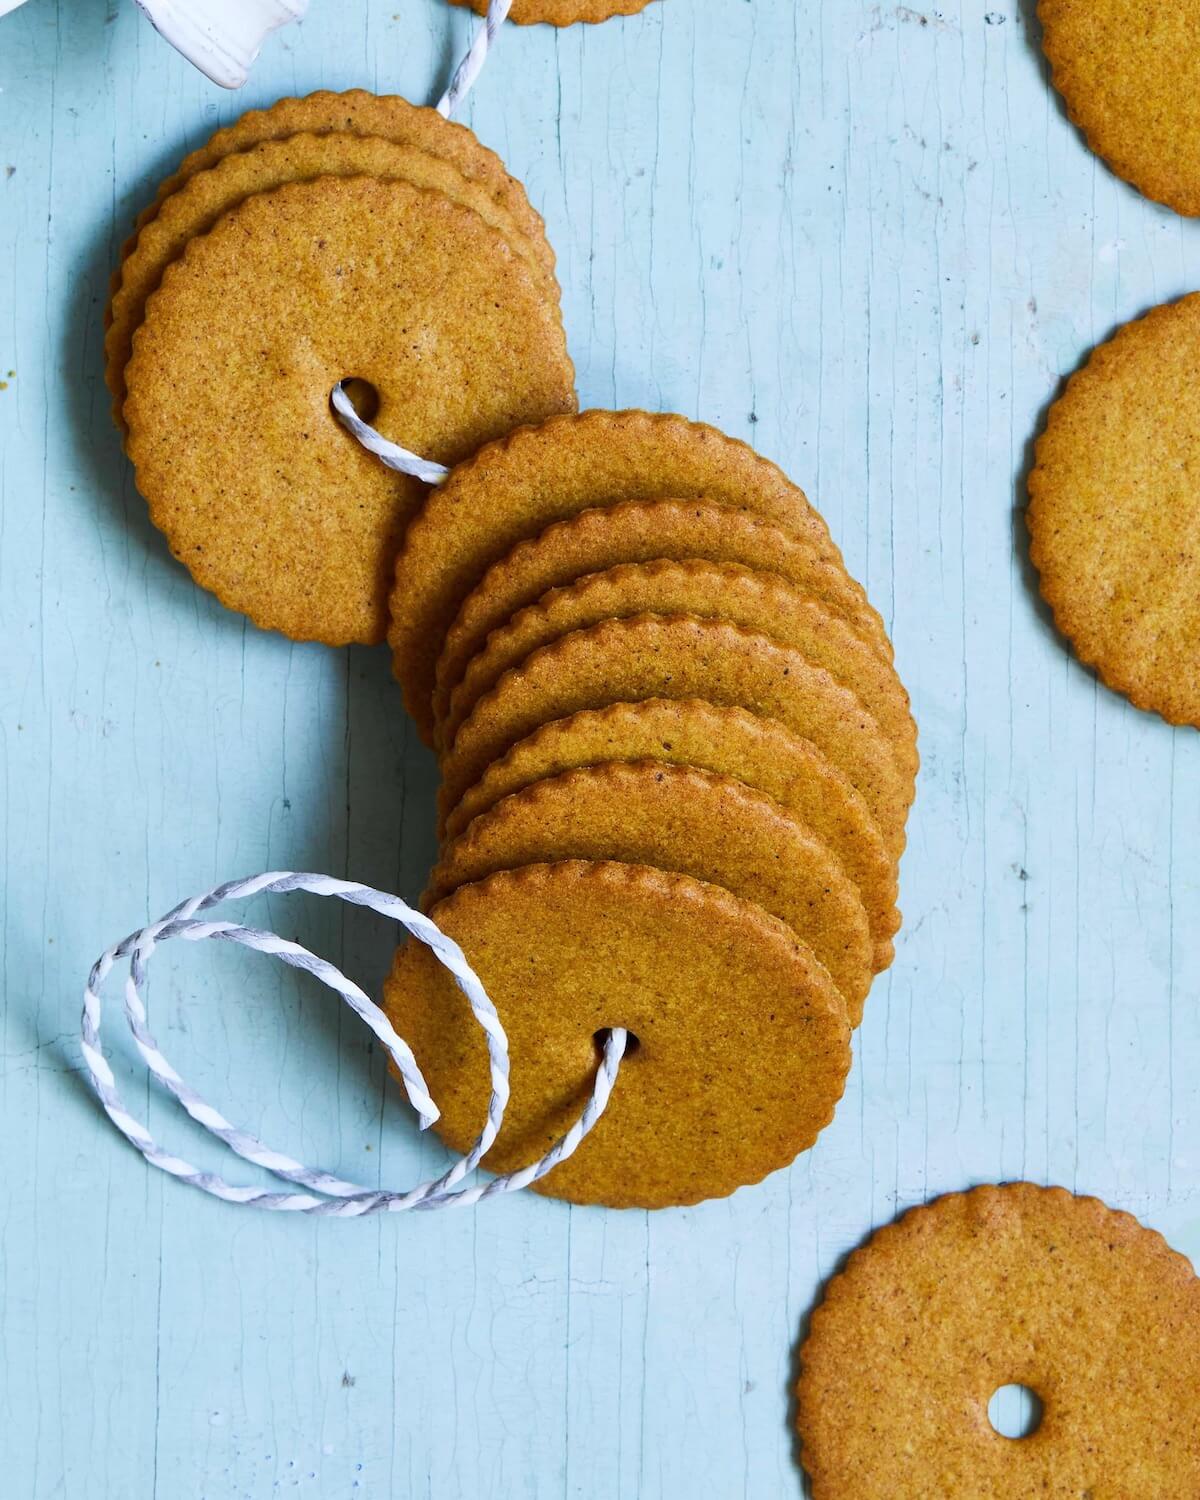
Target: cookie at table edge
1064,454
686,821
546,472
704,1031
322,217
908,1262
1084,73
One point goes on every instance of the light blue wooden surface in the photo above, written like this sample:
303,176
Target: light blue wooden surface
863,237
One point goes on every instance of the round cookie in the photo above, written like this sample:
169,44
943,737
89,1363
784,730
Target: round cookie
1005,1285
516,487
684,820
743,1045
641,531
269,502
206,195
562,12
359,112
756,601
1130,75
650,656
730,742
1114,511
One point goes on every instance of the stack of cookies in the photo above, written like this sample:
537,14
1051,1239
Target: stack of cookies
339,237
677,764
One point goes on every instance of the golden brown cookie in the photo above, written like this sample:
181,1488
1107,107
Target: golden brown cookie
269,502
516,487
743,1044
1129,71
1114,512
649,656
641,531
730,742
764,602
1005,1285
358,112
562,12
684,820
205,196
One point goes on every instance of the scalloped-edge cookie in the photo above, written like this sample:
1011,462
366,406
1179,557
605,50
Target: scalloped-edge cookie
259,490
205,196
1129,72
359,112
641,531
728,741
1012,1285
1114,511
764,602
653,656
688,821
742,1040
514,488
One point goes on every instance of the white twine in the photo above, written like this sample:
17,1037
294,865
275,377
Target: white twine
389,453
472,64
341,1199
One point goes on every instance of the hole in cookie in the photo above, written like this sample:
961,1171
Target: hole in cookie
1015,1411
632,1043
364,398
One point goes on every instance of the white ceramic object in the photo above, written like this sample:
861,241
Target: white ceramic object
222,37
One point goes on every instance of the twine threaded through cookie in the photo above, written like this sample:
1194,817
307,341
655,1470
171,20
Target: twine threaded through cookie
390,454
339,1199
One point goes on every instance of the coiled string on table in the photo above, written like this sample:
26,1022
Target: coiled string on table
323,1192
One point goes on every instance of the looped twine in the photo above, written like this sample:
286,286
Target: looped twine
338,1198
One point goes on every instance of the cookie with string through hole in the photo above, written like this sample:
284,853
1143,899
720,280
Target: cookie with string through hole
738,1038
271,504
200,201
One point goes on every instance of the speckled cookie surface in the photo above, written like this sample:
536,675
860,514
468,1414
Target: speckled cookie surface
562,12
642,531
730,742
763,602
1114,511
358,112
1129,71
1005,1285
205,196
650,656
743,1039
687,821
513,489
269,502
